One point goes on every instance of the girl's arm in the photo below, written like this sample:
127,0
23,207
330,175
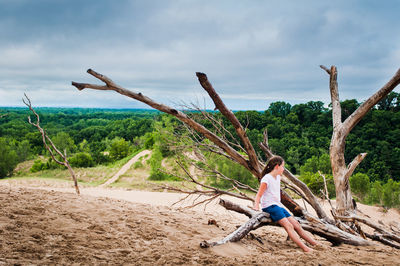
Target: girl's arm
263,187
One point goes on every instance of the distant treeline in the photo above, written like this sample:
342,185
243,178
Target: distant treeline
297,133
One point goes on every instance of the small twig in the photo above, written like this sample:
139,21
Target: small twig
304,203
327,194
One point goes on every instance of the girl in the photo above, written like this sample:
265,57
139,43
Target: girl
269,196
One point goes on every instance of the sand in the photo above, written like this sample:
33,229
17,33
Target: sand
52,225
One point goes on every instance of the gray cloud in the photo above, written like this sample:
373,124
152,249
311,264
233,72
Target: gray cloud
254,52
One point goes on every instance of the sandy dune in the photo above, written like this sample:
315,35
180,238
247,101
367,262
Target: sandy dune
104,226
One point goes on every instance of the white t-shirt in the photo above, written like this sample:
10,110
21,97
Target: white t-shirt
272,195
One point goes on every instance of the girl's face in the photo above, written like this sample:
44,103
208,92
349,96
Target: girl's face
280,168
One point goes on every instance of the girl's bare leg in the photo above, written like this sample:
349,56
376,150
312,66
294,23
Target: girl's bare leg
303,234
285,223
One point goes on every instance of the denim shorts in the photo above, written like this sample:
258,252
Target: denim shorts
276,212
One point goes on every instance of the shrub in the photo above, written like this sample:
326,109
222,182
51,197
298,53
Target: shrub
137,165
316,183
315,164
37,166
376,193
155,165
119,148
232,170
82,159
360,185
63,141
391,192
149,140
8,159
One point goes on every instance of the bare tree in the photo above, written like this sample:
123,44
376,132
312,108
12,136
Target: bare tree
341,172
333,230
51,148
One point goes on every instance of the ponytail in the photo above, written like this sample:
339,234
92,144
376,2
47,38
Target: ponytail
272,162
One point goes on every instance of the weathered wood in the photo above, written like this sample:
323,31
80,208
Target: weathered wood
256,219
242,231
382,239
385,233
331,232
72,173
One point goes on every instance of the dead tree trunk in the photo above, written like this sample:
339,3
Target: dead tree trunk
52,147
341,173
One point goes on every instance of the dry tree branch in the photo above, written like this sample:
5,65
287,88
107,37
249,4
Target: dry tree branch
224,131
391,235
208,169
52,148
110,85
233,144
352,120
382,239
352,166
219,104
215,148
211,192
216,190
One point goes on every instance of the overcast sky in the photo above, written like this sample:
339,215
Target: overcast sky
253,52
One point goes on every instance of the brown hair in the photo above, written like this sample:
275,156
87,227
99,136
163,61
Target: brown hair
272,162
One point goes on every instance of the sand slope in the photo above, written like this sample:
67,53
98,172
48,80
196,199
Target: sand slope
51,227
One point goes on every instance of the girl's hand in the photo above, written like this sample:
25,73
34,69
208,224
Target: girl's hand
256,208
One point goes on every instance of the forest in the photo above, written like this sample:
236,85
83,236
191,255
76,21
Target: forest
300,133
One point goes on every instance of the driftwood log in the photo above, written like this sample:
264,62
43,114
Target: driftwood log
309,223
